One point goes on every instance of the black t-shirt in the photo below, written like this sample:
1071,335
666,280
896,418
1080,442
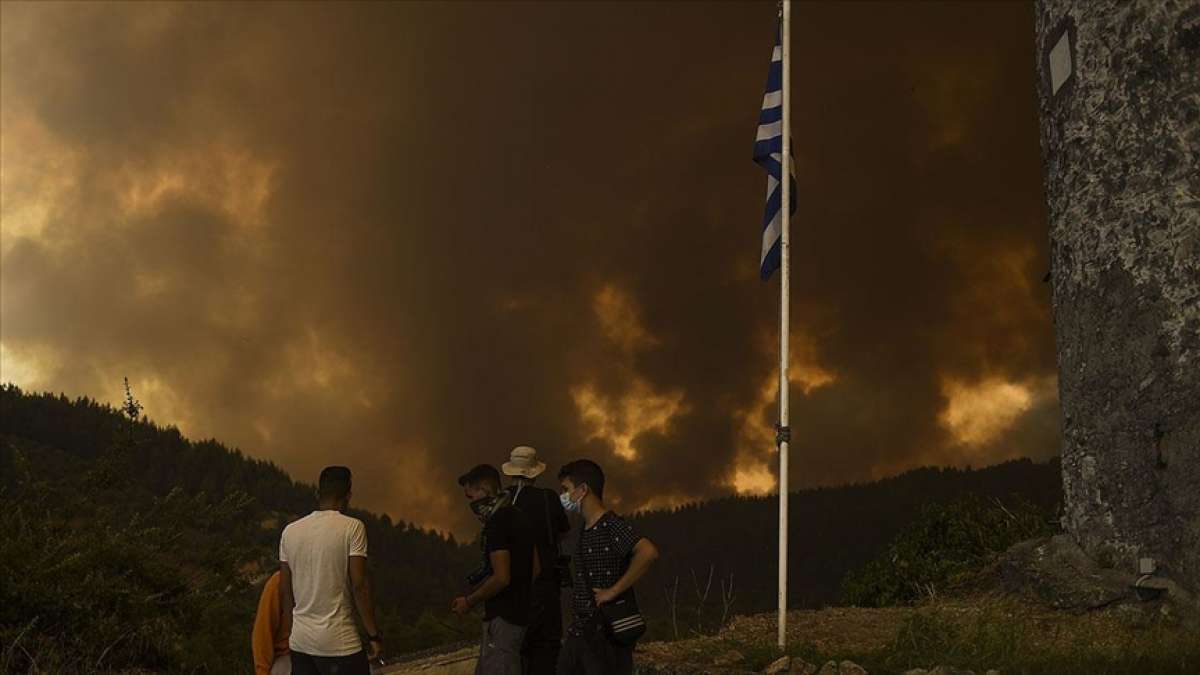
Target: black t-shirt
508,530
605,550
543,510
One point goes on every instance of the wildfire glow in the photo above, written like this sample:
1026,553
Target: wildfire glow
975,414
620,320
752,474
753,478
17,369
622,419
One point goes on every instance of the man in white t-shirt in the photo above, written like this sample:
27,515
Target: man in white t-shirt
323,577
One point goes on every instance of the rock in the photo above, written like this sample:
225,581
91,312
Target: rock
992,672
916,671
729,658
830,668
1058,572
802,667
850,668
1119,133
782,664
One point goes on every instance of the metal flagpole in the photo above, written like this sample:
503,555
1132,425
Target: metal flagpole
785,273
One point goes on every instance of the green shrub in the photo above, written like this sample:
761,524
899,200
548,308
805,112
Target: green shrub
89,584
946,542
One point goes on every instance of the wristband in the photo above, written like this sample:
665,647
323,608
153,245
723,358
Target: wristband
378,637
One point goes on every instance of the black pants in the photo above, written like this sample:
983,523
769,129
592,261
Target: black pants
594,654
307,664
539,654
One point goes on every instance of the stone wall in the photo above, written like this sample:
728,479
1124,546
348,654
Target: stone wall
1119,98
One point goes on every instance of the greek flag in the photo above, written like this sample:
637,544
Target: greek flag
768,153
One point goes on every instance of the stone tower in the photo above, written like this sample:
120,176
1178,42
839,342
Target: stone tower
1119,98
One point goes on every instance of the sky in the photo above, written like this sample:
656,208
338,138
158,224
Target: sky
408,237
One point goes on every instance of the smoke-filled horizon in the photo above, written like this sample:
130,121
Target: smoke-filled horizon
408,237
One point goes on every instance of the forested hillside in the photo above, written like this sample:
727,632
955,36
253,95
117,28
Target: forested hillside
129,546
834,531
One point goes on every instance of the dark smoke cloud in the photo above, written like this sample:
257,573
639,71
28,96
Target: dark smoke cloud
408,237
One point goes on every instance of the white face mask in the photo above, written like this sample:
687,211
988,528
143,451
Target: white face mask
569,504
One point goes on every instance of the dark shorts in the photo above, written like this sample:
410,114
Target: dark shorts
594,654
307,664
544,637
500,649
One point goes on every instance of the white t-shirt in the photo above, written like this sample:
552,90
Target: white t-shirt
317,549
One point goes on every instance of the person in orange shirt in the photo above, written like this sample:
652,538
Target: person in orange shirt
270,638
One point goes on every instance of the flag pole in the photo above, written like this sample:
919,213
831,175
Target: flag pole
784,295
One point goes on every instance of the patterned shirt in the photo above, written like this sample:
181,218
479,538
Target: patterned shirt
605,549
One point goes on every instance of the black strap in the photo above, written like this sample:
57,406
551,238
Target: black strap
587,577
549,525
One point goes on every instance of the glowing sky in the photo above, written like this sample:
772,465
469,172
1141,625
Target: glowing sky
407,237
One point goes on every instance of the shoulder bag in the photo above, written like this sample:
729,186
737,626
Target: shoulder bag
621,617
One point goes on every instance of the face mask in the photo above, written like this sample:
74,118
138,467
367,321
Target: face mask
484,507
569,504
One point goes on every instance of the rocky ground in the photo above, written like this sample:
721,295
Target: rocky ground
979,635
1042,608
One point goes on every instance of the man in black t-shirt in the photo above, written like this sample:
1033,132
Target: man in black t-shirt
549,522
611,558
510,561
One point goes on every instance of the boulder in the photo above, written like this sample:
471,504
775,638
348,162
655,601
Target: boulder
949,670
782,664
1117,100
1060,574
802,667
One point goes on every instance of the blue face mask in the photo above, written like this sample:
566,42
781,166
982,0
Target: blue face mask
569,504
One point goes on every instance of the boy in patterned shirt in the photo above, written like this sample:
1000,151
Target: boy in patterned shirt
614,556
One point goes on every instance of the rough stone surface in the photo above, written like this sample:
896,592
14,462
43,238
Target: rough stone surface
830,668
689,669
1058,572
1122,169
791,665
802,667
850,668
782,664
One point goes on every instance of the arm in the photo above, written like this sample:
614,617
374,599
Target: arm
644,554
500,579
360,583
287,602
266,622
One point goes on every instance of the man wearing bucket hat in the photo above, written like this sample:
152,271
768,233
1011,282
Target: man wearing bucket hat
548,520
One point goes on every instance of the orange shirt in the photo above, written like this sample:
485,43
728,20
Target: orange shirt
268,639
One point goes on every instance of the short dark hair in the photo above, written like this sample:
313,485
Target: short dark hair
480,475
584,472
334,482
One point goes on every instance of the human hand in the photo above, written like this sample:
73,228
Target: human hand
604,595
460,606
374,647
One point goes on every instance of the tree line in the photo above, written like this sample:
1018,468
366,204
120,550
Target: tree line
169,540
